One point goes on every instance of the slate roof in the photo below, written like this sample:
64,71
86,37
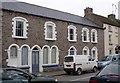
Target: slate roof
46,12
114,22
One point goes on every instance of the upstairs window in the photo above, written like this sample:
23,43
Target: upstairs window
110,39
109,28
72,36
94,36
50,31
20,25
85,35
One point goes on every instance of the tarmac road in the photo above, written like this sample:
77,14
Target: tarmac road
63,78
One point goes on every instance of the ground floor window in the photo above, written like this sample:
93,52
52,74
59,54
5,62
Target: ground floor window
85,51
24,55
45,55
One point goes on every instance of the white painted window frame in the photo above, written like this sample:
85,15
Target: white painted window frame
49,55
54,32
25,23
96,52
75,51
87,49
74,33
96,36
87,30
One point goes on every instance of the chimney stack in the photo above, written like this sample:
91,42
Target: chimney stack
111,16
88,11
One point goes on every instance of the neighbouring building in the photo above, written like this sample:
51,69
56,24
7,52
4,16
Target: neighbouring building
111,27
40,37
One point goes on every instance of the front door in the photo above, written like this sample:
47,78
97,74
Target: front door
35,61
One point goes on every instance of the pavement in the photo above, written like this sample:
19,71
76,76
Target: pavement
53,73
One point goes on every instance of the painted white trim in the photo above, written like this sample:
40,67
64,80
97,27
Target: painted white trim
54,32
13,61
28,55
88,38
40,58
57,54
75,51
49,59
75,33
96,53
87,49
96,36
14,27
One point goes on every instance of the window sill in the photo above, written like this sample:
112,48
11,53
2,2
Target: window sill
94,42
50,39
85,41
17,37
72,40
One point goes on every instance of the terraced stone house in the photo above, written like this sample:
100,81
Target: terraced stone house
40,37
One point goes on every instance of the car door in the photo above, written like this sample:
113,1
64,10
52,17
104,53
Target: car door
16,77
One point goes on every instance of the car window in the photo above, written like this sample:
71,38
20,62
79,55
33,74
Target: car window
68,59
13,74
108,58
110,69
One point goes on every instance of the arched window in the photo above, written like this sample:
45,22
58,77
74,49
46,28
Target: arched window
94,53
85,51
13,52
45,55
20,25
85,35
72,51
13,55
54,54
72,35
50,31
24,55
93,36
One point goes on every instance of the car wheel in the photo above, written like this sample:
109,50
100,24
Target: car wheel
79,71
95,69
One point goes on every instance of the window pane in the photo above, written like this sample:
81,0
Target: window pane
85,52
49,31
71,34
45,55
93,36
85,35
19,28
94,54
13,51
72,51
53,55
24,56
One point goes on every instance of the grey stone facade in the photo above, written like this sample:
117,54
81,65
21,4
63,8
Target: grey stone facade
36,34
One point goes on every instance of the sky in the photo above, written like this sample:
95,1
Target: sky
100,7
